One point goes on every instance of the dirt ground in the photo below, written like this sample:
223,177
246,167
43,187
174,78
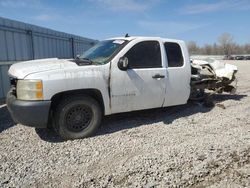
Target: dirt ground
184,146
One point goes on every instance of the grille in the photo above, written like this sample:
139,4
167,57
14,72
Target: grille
13,83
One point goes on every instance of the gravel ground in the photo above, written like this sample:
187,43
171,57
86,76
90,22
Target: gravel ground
184,146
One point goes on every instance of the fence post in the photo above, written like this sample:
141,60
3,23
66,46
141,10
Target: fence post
72,47
30,33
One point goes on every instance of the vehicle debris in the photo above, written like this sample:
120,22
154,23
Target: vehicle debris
221,105
212,75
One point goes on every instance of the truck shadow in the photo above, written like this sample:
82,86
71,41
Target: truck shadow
6,121
48,135
126,121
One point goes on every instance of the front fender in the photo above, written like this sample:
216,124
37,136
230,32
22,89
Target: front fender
87,77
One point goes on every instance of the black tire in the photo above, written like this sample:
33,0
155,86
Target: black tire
77,117
197,95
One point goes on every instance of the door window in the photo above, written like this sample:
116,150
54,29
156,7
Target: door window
174,54
146,54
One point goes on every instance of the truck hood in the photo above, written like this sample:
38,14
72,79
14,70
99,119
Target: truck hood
23,69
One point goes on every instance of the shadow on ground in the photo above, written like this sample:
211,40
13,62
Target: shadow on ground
6,121
166,115
225,97
125,121
48,135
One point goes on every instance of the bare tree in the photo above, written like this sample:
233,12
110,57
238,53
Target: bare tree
246,49
193,48
216,49
226,46
226,42
208,49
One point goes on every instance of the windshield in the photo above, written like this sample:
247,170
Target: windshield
103,51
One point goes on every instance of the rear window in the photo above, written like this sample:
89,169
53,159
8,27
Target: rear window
174,54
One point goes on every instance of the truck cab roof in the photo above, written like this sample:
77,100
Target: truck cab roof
145,38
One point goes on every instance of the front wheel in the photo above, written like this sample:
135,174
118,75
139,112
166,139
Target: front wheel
77,117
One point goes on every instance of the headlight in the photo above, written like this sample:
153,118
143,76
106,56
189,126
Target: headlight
29,90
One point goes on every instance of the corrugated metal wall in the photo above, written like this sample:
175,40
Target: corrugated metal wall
20,42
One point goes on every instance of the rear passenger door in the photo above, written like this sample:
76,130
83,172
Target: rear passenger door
179,74
143,85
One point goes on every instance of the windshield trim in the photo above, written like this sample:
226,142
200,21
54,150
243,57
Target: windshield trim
117,51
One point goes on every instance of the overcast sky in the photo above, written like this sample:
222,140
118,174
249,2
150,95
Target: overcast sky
190,20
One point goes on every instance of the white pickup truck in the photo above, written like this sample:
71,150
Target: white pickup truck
116,75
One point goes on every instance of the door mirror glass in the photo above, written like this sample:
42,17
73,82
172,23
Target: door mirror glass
123,63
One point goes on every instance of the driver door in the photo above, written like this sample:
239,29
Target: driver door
143,84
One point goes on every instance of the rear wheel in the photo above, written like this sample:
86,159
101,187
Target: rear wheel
77,117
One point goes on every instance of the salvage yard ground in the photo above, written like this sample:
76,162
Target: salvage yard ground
188,146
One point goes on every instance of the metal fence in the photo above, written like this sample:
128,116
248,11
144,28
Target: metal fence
20,42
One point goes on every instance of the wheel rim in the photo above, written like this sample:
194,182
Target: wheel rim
78,118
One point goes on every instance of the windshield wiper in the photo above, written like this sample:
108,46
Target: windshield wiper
80,61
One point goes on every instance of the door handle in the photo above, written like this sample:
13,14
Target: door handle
158,76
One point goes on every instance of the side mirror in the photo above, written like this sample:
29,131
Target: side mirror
123,63
78,56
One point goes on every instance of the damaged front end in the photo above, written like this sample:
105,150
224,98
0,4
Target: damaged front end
212,75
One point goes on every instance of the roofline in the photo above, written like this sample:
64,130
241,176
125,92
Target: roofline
144,37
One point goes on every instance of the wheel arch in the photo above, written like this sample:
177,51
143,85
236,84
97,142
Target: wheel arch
95,93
